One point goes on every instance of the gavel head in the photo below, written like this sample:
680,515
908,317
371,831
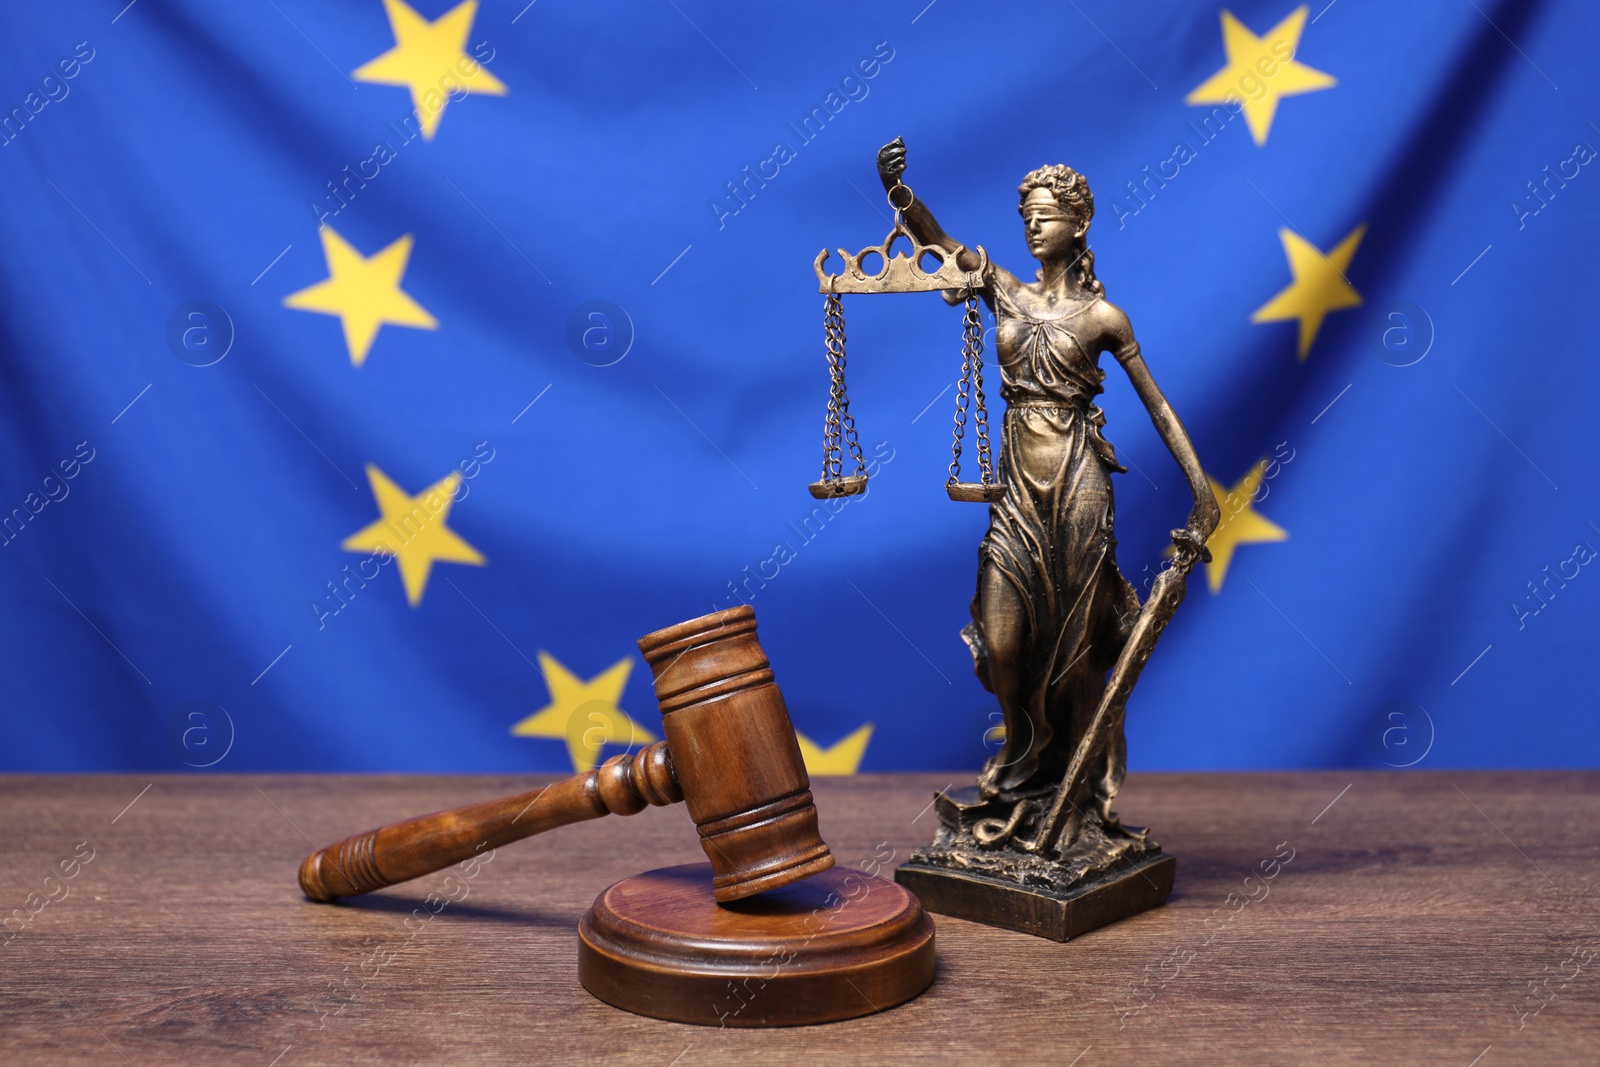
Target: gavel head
734,753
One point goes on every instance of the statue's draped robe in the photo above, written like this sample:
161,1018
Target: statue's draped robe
1050,539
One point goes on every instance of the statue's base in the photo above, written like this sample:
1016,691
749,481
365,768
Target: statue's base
832,946
978,868
1059,914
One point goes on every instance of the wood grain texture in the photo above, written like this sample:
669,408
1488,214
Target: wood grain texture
1405,929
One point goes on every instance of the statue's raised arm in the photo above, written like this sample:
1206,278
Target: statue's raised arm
918,219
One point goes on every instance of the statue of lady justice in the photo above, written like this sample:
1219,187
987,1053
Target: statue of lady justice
1052,614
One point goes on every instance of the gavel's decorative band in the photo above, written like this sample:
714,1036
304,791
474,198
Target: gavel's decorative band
774,844
683,660
722,687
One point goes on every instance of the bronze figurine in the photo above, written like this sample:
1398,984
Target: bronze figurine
1057,633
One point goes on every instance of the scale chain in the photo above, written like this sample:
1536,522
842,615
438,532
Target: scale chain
969,394
839,426
972,352
962,398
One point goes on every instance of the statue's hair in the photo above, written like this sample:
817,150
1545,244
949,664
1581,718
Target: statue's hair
1071,191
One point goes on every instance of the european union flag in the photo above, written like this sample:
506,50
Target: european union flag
377,371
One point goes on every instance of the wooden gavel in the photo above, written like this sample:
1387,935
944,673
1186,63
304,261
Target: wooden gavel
730,754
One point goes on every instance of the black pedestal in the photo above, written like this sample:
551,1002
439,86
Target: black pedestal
1059,915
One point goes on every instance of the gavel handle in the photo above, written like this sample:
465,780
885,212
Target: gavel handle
623,785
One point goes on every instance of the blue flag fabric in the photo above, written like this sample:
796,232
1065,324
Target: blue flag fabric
376,372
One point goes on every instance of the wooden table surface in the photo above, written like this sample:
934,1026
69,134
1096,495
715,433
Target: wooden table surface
1423,918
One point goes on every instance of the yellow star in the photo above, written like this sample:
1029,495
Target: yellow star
430,59
842,757
1319,285
365,293
1240,525
1260,71
412,529
584,714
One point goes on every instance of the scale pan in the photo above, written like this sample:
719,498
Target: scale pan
974,492
832,487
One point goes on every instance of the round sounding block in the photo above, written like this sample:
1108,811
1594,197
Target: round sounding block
832,946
